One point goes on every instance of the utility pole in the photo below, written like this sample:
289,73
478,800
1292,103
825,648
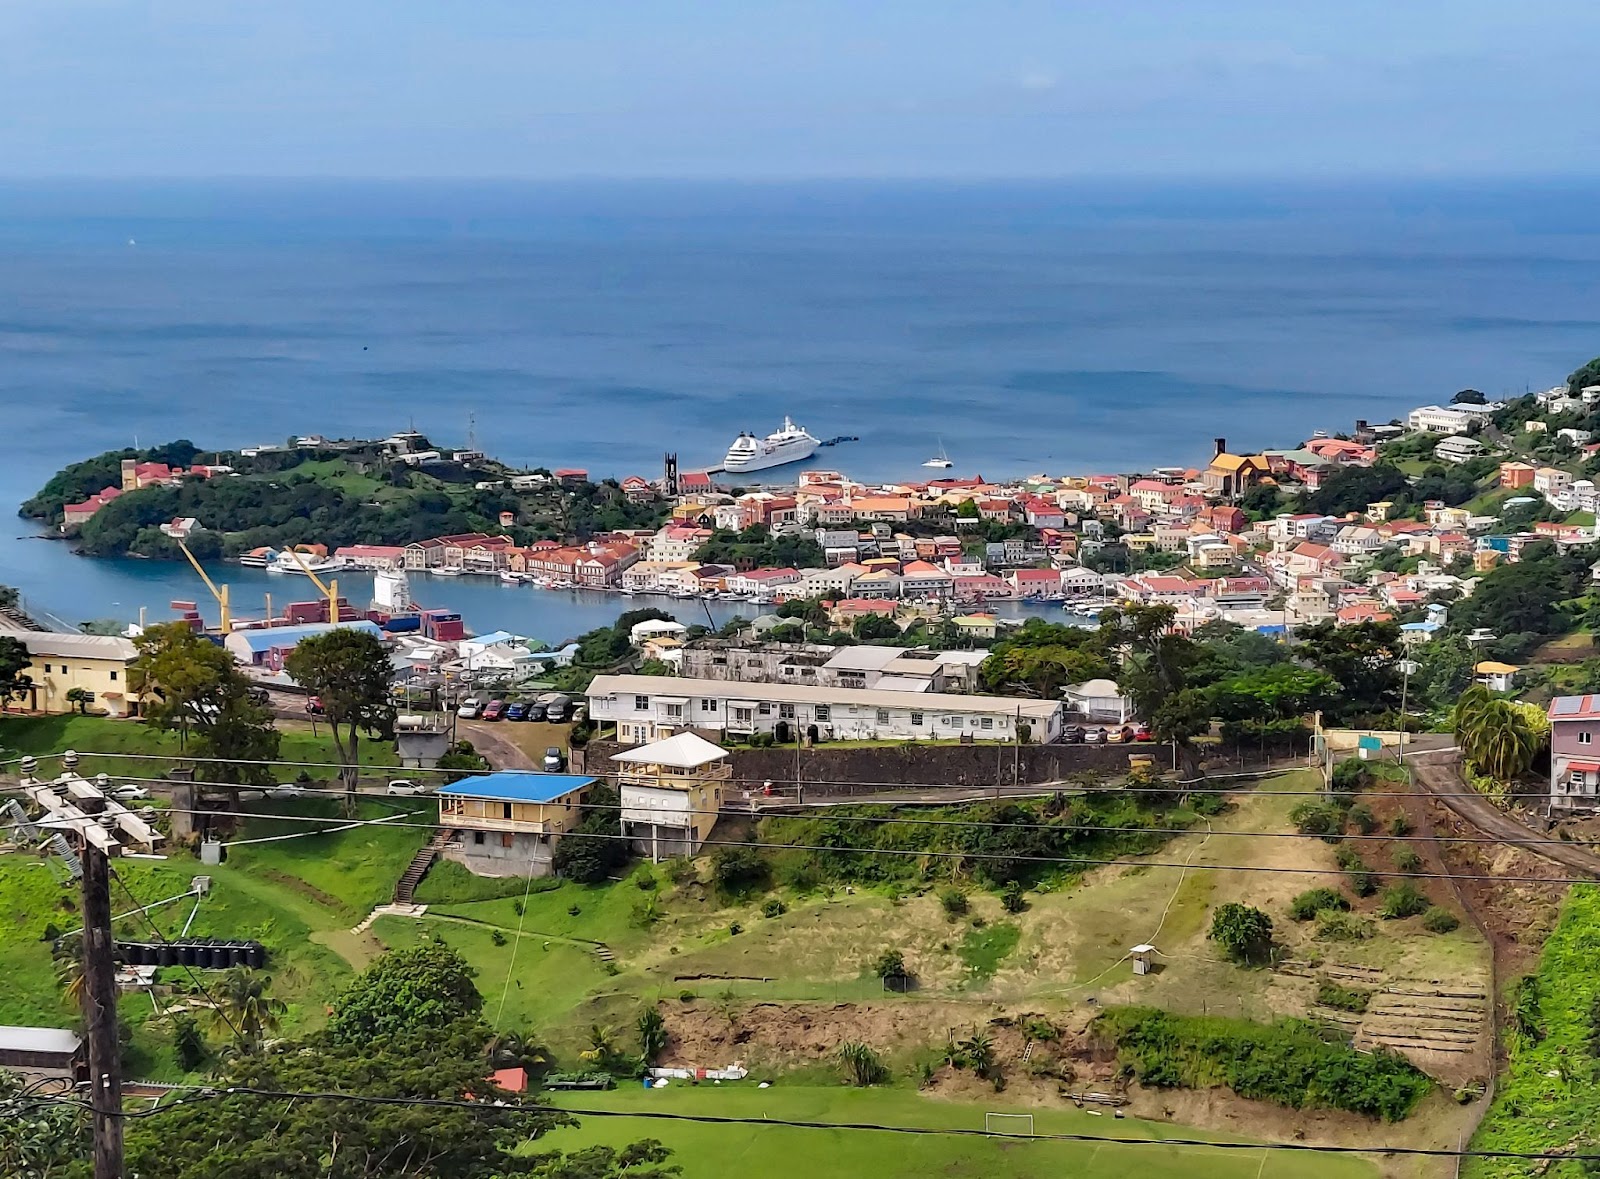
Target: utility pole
86,828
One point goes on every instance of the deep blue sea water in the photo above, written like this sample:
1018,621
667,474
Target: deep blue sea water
1027,327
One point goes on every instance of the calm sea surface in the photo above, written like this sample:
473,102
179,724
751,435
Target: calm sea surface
1024,328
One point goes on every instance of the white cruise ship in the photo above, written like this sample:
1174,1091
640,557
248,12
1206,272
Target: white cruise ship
788,445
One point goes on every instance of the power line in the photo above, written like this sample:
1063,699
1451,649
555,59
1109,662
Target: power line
502,1107
1069,860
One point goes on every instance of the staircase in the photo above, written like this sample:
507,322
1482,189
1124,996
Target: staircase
1027,1052
418,868
603,952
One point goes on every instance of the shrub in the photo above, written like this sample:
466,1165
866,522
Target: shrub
1399,826
681,870
1362,818
1244,933
1440,920
1407,860
1334,926
645,880
890,964
954,903
1353,999
774,908
1318,818
862,1066
735,929
1012,899
1317,900
1363,880
1402,900
1208,805
1350,776
686,996
187,1042
1289,1062
735,869
497,937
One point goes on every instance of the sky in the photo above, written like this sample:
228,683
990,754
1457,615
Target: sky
784,89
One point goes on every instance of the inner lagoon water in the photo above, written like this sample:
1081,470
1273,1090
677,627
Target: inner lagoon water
1037,327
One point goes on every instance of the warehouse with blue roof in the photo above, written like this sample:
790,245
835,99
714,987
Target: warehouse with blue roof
270,645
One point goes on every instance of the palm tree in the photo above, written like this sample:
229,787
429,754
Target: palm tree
979,1051
243,1008
69,972
1495,734
602,1046
516,1050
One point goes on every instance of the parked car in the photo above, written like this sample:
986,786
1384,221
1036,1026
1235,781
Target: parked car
552,760
536,709
1072,735
580,713
128,792
1143,733
494,710
404,787
555,711
1094,737
287,790
516,710
314,705
469,710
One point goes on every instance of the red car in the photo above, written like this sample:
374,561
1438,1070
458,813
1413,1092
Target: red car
314,705
1143,733
494,710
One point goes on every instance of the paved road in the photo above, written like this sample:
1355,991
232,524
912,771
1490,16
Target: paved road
1437,774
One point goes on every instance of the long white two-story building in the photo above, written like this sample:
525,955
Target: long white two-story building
649,708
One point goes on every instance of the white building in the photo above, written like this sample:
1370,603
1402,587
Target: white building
647,708
1459,449
1455,419
1099,700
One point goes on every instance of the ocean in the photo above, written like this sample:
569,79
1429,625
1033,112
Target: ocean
1023,327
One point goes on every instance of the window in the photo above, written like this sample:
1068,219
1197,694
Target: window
764,709
505,810
741,716
708,705
674,712
113,677
46,669
641,704
786,711
988,722
1583,738
952,722
477,837
883,716
823,713
916,720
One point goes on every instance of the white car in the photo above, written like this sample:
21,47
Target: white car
129,792
469,710
287,790
404,787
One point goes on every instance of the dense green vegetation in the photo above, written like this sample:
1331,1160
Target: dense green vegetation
1547,1099
306,496
758,547
1291,1062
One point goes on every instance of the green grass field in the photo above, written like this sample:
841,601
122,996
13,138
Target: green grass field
708,1151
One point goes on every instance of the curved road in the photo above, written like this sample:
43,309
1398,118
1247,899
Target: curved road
1437,774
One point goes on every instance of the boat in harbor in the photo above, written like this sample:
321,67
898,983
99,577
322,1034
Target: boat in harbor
287,562
790,444
446,571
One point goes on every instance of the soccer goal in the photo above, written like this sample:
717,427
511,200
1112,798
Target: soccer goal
1012,1124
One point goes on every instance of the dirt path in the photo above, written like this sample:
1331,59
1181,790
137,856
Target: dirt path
502,752
1437,774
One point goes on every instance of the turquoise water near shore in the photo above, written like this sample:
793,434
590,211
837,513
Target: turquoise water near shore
1028,327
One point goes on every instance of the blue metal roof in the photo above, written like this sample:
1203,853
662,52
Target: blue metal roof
278,637
518,786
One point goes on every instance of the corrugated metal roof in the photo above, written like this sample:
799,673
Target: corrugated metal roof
517,786
1575,708
28,1039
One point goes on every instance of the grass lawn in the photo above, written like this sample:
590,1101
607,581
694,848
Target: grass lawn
736,1151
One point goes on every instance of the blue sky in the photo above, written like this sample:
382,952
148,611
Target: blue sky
763,88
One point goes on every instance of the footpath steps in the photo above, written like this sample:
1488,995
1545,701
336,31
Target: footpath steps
405,889
389,911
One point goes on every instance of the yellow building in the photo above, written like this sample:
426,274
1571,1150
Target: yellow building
979,626
671,792
98,664
507,824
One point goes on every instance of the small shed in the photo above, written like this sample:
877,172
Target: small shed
1140,955
40,1049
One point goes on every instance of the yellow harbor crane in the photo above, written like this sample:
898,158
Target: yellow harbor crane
330,589
219,593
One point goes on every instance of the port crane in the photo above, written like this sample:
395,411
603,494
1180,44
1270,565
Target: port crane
329,589
220,593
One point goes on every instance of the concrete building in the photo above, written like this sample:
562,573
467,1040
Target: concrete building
58,663
647,708
41,1051
270,646
507,823
1574,752
1099,700
671,792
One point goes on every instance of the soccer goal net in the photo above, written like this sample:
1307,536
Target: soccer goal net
1008,1123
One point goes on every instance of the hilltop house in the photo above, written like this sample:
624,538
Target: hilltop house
671,792
506,823
1574,752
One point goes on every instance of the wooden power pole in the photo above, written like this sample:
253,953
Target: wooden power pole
100,1015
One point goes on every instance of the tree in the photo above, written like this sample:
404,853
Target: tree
38,1139
1524,597
1155,664
1361,660
1351,489
243,1010
427,986
15,683
891,964
652,1034
188,1045
350,671
1582,378
189,684
875,628
593,849
641,1160
1496,735
80,698
1469,397
1244,933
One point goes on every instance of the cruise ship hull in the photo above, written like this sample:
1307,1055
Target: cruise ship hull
780,457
